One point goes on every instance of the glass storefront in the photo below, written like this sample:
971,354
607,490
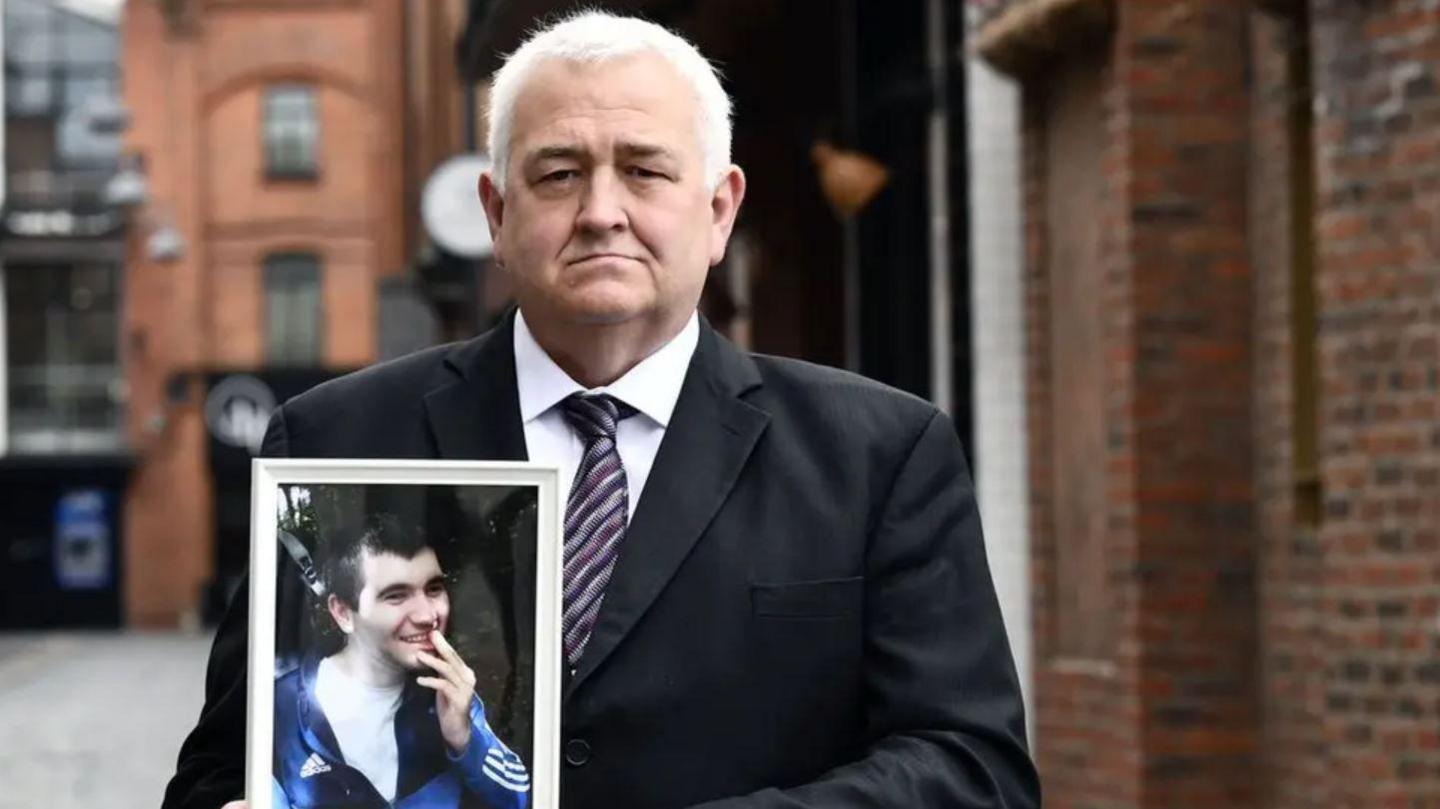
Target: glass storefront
64,380
58,239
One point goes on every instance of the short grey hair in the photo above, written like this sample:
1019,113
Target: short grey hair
595,37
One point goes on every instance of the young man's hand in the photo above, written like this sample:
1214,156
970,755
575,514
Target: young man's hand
454,688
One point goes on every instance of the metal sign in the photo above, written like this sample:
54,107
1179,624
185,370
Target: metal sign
450,207
82,540
61,223
238,410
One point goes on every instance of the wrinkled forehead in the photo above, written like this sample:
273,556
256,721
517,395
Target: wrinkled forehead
635,98
380,571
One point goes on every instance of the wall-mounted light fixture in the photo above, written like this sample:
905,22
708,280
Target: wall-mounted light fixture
164,243
128,188
848,179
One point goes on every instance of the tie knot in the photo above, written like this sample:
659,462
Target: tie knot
595,415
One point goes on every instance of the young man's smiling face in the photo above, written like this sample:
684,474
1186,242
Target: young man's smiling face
401,601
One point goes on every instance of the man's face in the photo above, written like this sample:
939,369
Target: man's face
401,602
608,215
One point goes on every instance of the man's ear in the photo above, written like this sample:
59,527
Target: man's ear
724,207
341,613
494,203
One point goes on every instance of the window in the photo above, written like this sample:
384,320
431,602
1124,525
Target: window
294,318
65,387
89,43
31,38
292,131
55,58
61,70
28,94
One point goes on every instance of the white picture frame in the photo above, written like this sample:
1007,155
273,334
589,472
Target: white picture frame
267,555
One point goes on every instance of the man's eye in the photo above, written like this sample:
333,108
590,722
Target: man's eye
559,176
435,589
646,173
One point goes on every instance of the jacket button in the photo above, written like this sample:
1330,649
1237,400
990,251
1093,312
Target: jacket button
577,752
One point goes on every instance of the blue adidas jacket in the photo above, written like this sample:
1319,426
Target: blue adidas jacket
309,772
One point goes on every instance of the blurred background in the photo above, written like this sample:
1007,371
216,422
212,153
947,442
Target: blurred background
1172,265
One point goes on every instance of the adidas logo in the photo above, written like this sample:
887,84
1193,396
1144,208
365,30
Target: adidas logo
314,766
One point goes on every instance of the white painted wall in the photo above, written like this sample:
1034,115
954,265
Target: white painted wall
998,334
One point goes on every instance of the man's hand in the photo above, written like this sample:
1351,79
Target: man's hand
454,688
236,805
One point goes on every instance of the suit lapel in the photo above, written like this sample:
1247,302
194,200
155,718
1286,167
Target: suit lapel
475,415
707,443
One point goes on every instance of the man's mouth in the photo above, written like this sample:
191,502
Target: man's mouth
423,639
600,257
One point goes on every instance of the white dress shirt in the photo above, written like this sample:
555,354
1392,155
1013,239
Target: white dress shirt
651,387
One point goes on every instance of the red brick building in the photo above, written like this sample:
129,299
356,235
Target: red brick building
284,146
1232,271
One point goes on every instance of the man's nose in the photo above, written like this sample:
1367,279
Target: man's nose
425,614
602,206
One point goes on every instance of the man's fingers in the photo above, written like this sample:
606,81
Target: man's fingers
460,676
443,646
456,671
236,805
438,684
442,667
454,693
467,676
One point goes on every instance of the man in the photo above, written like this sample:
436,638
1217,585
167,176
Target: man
359,728
776,587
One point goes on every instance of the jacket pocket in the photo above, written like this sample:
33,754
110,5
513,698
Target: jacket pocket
829,598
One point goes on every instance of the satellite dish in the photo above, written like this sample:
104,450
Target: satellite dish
451,210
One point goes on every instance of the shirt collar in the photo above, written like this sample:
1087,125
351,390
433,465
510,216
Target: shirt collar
652,387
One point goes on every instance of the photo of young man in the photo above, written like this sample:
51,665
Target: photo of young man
392,718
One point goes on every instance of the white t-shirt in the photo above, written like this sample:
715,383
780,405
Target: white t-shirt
363,718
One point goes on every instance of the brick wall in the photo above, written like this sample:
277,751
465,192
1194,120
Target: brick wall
167,508
1087,735
1238,199
1186,130
1377,98
1294,752
1163,712
195,91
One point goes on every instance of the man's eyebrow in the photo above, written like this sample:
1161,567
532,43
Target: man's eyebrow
638,149
555,152
437,579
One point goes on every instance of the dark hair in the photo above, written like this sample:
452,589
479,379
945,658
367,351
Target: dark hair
381,533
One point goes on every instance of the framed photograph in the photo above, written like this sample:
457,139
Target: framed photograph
404,635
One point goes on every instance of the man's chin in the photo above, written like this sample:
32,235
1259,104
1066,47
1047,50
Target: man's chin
607,304
409,660
617,316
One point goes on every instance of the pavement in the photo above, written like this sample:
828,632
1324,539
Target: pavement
94,720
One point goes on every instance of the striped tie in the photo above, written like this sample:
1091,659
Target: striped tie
595,515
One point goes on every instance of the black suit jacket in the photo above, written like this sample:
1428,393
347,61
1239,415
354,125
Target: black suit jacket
801,614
